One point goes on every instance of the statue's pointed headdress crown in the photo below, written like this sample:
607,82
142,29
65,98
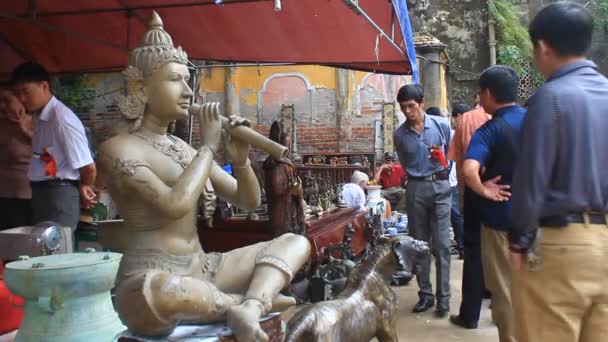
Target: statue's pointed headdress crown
155,48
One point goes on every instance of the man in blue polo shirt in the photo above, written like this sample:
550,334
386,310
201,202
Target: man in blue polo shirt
422,144
488,170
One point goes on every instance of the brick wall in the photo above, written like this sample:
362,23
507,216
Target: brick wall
321,125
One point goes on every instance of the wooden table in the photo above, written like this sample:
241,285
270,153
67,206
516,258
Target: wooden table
322,232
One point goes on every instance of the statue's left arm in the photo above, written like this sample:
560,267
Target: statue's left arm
244,191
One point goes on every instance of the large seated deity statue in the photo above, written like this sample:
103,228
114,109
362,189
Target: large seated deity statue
157,180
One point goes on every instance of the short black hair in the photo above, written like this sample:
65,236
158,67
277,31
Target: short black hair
459,109
565,26
502,82
410,92
390,155
30,72
434,111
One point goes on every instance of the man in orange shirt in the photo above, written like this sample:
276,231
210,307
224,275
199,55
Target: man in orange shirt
472,272
392,179
466,125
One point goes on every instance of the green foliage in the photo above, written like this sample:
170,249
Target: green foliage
510,31
599,10
510,55
73,92
537,78
512,40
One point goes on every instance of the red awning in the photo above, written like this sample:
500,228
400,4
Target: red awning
93,35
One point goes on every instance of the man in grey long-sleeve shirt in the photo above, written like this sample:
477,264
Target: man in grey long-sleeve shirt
561,185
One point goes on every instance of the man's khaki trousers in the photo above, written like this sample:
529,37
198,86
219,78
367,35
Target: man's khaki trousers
497,277
566,299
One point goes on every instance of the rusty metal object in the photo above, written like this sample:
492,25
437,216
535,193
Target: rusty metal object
373,230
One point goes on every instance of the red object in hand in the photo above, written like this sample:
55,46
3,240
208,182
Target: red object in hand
50,166
437,154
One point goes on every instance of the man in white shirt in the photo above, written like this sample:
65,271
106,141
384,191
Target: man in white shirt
62,170
352,193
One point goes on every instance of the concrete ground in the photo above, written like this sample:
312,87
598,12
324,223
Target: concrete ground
426,327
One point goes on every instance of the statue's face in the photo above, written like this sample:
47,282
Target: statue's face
166,91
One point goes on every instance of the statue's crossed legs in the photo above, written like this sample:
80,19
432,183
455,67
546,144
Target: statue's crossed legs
240,286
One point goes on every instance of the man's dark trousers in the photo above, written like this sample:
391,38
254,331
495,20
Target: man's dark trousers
457,221
472,276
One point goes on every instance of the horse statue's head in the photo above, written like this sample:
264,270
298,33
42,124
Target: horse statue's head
409,253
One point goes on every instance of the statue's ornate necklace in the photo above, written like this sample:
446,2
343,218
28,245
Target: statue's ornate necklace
173,149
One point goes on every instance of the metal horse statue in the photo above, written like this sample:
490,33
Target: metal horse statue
367,307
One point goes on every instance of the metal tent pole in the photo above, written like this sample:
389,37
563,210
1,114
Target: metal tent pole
354,4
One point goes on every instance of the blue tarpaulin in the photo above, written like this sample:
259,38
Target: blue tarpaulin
408,35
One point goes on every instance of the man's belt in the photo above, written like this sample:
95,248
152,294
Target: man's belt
55,183
564,220
439,175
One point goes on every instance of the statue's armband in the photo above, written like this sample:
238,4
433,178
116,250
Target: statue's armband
128,167
122,169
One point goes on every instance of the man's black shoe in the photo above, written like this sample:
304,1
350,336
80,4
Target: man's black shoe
457,320
441,311
424,304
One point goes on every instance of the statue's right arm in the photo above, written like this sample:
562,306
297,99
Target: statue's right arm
132,175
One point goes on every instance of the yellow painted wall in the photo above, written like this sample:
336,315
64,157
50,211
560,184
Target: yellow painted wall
443,89
252,78
212,80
